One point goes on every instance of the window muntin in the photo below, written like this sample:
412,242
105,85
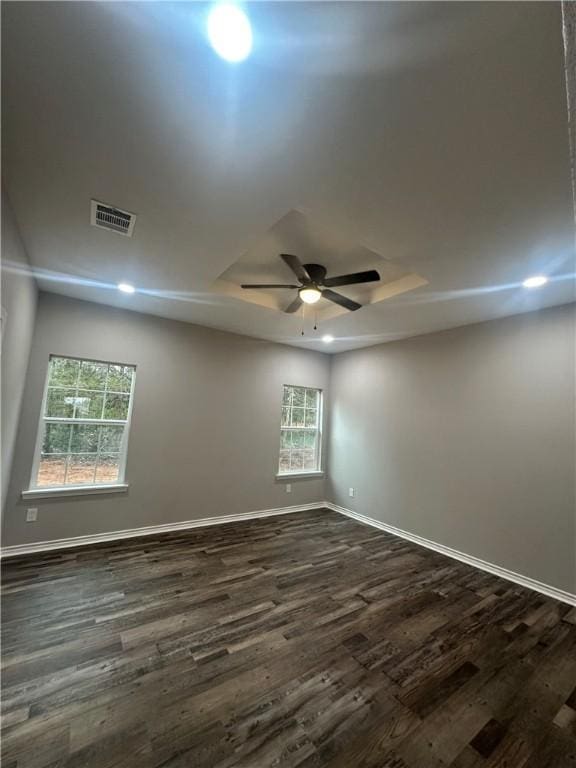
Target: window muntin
300,430
84,424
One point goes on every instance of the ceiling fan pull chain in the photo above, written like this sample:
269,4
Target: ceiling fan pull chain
303,317
315,320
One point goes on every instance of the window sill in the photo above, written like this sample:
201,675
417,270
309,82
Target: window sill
296,475
73,490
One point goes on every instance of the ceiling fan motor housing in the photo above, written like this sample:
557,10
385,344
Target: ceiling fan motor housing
317,273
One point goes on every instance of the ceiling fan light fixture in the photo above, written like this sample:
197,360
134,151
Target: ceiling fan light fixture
310,295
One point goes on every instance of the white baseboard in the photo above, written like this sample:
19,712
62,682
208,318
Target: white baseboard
496,570
130,533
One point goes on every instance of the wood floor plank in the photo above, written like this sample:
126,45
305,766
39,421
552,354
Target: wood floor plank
304,640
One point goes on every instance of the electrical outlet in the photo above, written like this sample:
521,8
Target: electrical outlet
31,515
351,492
288,488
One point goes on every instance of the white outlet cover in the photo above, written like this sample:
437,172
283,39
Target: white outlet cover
32,515
288,488
351,492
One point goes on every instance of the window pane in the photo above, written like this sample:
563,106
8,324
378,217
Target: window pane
310,439
299,445
298,396
93,375
119,378
297,417
56,438
108,468
311,417
51,471
77,453
296,460
110,439
284,461
88,405
311,398
298,438
60,403
63,372
84,438
116,406
310,460
81,469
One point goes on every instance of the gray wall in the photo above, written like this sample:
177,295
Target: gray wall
18,313
205,425
466,438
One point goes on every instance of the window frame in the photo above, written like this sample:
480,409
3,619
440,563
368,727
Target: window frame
318,471
69,489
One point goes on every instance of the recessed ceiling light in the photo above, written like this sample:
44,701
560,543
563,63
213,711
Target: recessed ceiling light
229,32
327,339
126,288
535,282
309,295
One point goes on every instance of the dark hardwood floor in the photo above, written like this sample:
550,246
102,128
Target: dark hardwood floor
299,640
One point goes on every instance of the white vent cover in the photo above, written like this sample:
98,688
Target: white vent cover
112,218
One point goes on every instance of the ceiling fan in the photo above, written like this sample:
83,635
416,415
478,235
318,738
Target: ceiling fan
314,284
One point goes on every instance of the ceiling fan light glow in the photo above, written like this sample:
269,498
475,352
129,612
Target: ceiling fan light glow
328,338
537,281
229,32
126,288
309,295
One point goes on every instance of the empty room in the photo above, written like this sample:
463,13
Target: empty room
288,384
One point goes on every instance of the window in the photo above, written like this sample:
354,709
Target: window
300,431
83,431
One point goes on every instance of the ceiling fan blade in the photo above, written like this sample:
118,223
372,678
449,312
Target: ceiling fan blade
343,301
296,266
354,278
295,306
265,285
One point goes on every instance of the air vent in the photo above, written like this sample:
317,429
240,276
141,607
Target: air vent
114,219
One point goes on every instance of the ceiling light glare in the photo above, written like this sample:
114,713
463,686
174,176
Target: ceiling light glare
535,282
229,32
310,295
327,339
126,288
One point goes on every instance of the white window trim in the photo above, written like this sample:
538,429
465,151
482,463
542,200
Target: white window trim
48,491
303,473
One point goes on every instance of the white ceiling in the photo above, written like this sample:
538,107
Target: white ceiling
434,134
